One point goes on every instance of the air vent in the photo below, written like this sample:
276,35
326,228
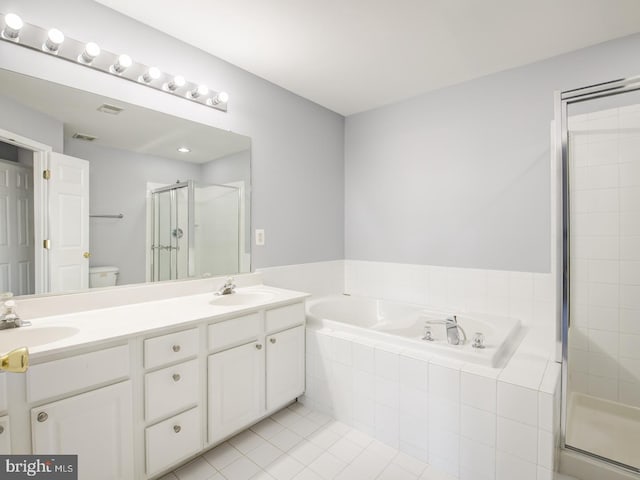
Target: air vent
109,109
84,136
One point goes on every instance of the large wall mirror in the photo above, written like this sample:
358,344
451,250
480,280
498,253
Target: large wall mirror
95,192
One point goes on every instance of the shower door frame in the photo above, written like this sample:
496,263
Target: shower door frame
562,101
190,186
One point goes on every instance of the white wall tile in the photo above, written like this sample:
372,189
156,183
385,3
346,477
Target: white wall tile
444,445
364,384
444,382
342,351
414,431
630,321
546,419
386,364
479,391
517,439
387,392
444,415
387,425
363,357
546,449
478,458
518,403
414,402
509,467
478,425
413,372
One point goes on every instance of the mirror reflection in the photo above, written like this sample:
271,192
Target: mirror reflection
95,192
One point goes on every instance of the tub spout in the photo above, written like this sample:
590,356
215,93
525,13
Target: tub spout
455,333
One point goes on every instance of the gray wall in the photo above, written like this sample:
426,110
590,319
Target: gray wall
21,120
297,146
460,176
118,184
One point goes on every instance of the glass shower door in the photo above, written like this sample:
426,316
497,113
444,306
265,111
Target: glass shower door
171,251
603,381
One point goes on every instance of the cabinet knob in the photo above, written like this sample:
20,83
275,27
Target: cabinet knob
176,377
258,346
42,417
272,340
1,429
177,428
176,348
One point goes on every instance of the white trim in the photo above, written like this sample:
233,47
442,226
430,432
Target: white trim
40,205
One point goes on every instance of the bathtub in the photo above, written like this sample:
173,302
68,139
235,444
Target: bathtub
403,325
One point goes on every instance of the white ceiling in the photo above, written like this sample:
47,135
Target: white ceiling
136,129
355,55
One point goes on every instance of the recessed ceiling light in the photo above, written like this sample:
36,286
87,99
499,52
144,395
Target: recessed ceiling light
184,149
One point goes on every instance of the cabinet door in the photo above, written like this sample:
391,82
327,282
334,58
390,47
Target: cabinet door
97,426
236,389
285,366
5,436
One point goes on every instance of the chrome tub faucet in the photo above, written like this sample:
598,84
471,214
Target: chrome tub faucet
455,333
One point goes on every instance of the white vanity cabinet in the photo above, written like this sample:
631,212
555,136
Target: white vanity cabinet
97,425
5,435
172,389
285,366
265,372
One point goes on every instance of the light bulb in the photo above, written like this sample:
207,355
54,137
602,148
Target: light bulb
122,63
91,51
222,97
200,91
54,39
184,149
151,74
177,82
12,26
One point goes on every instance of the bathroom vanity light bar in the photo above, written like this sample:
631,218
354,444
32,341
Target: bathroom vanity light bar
54,42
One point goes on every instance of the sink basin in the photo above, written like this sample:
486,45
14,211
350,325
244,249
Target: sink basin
32,336
243,298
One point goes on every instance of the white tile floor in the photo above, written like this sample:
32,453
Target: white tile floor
301,444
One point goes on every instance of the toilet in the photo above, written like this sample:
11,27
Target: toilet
103,276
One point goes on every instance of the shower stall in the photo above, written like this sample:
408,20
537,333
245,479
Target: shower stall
599,150
172,242
195,230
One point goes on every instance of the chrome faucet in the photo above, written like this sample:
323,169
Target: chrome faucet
228,288
455,333
9,317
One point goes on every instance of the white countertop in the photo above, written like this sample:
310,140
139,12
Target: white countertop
54,334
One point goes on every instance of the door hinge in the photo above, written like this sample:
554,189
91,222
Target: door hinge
46,174
46,244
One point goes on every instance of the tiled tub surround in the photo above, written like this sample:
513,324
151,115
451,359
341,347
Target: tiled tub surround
474,422
404,325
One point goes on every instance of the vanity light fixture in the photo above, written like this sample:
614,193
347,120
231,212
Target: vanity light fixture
54,43
198,92
153,73
12,26
122,63
184,149
90,53
177,82
54,39
222,97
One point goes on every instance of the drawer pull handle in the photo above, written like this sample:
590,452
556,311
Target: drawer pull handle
177,428
258,346
176,348
272,340
42,417
176,377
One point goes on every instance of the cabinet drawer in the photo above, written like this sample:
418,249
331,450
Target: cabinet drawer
234,331
75,373
5,436
172,440
169,348
284,317
171,389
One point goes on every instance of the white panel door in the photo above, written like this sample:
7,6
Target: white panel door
16,229
285,366
68,223
97,426
236,389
